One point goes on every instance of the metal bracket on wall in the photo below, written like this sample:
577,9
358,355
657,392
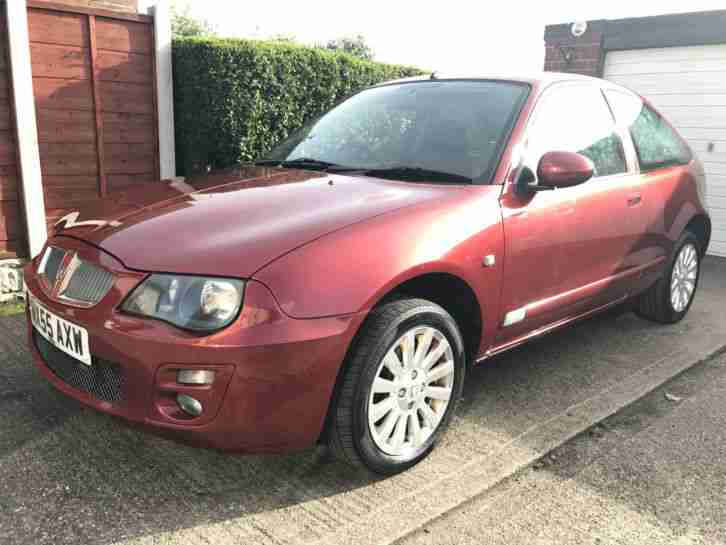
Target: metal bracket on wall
568,53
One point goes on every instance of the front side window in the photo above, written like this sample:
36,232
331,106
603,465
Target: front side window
576,118
656,143
456,127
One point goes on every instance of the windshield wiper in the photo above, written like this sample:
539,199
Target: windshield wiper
306,163
403,172
418,174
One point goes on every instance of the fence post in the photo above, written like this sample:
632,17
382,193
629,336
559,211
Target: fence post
26,126
97,107
164,88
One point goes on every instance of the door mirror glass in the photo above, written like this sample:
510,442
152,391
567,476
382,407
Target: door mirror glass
563,169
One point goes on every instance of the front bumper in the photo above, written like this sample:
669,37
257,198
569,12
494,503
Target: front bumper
275,375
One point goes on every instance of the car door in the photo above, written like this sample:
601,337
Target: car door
567,249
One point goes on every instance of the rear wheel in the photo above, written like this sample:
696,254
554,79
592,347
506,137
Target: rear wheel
402,380
669,299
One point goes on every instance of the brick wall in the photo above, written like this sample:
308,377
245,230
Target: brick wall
583,55
129,6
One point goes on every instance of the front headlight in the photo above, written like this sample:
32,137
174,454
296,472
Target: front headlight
189,302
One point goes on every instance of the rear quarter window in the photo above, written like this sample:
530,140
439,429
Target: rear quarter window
656,143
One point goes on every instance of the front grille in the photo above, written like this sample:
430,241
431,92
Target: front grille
52,264
103,379
88,284
74,280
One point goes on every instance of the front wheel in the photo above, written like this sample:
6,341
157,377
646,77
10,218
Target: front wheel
669,299
400,386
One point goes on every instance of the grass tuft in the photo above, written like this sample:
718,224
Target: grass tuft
11,309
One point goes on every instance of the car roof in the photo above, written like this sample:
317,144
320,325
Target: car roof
538,79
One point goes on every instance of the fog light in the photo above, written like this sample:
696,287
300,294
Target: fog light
194,376
189,405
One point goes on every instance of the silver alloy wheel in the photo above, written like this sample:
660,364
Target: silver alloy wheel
411,391
683,279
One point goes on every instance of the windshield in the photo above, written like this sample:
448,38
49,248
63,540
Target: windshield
454,127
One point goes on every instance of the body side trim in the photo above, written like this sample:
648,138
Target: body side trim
546,329
537,308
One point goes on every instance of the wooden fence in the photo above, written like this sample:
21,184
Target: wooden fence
94,80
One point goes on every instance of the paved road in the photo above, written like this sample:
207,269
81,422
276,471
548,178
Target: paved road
70,475
655,473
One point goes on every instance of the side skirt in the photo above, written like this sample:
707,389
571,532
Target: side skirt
547,329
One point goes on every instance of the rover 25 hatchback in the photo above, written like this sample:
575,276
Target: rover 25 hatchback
338,290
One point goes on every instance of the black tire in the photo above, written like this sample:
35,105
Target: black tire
655,304
349,437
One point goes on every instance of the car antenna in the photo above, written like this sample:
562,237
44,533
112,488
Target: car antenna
434,75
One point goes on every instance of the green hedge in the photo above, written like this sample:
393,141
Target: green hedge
235,99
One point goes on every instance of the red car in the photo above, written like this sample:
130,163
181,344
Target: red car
338,290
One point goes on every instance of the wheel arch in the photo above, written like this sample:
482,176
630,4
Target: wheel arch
700,225
437,287
453,294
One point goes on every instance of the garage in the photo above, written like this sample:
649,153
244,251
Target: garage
688,84
676,61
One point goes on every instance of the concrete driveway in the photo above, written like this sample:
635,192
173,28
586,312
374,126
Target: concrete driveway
70,475
651,474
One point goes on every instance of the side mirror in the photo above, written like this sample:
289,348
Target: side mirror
563,169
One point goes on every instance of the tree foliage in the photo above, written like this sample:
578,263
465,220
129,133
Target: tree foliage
353,45
185,25
286,38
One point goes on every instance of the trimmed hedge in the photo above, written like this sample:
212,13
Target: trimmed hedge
235,99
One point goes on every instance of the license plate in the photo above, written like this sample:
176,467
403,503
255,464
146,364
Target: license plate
65,336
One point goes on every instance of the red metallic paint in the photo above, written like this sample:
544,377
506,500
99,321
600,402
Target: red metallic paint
319,251
564,169
239,227
281,371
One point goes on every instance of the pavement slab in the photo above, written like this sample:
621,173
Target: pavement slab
71,475
653,473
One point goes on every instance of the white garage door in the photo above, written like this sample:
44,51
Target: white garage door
688,84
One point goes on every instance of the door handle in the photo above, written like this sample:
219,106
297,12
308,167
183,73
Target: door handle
635,200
